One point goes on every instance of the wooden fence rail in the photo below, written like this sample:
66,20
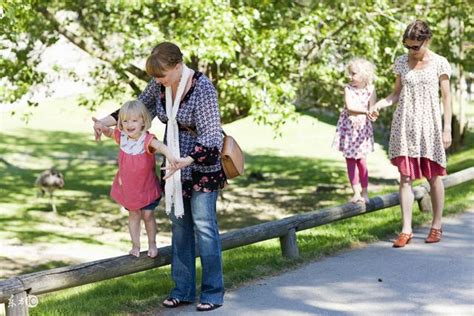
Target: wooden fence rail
18,287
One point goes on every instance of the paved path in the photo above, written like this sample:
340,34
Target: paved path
429,279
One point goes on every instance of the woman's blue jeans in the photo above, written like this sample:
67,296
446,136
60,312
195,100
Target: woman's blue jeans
200,219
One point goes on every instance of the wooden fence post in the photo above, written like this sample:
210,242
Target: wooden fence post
17,305
289,245
425,203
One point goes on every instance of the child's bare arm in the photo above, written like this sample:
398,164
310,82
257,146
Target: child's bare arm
350,107
373,114
392,98
100,125
372,101
107,131
162,149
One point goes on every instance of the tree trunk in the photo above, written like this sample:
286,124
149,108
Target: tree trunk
459,122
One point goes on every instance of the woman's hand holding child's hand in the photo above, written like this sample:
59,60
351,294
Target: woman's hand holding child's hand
175,165
98,128
373,115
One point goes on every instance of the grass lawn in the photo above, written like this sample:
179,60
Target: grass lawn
281,179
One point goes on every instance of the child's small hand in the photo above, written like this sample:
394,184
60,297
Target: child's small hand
170,170
373,115
176,165
98,128
172,162
184,162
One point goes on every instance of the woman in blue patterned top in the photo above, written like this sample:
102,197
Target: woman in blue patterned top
186,101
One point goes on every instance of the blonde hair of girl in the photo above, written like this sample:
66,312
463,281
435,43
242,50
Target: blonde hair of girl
364,67
134,107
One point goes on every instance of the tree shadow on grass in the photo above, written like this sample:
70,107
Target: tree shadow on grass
15,266
464,157
143,292
381,132
288,187
86,166
34,236
88,169
275,187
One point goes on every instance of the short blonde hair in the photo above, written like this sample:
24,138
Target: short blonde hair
134,107
365,67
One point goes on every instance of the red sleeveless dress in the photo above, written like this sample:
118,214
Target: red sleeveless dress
136,184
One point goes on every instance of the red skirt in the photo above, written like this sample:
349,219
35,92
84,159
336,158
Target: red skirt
418,167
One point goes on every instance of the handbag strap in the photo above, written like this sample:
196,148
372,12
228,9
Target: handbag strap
194,133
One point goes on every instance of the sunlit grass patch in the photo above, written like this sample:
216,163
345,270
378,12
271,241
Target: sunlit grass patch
296,173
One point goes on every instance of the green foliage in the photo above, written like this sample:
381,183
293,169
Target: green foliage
264,57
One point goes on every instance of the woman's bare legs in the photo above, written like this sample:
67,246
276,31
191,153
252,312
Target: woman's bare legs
406,202
437,200
134,218
150,227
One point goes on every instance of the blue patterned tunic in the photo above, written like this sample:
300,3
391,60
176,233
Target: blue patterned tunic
198,111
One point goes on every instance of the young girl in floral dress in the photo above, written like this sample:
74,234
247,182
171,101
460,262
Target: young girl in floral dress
136,186
354,135
417,138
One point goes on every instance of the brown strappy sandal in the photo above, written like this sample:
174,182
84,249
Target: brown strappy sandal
434,235
402,240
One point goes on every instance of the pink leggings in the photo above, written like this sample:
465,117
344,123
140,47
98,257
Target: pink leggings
354,176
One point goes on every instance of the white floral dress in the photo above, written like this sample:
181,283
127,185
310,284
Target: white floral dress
354,134
416,130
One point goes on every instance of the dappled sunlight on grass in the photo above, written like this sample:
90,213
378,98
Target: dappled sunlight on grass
277,187
82,205
35,236
464,158
295,173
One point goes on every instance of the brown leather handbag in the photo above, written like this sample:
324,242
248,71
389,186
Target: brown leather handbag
232,157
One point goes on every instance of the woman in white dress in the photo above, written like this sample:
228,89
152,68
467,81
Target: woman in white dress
417,138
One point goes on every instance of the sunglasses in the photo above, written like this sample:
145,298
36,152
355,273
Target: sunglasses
415,48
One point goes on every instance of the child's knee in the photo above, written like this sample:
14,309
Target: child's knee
148,215
134,215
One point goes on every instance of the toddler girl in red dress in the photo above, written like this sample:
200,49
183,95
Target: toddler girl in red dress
136,186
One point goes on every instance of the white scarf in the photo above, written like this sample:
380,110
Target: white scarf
173,188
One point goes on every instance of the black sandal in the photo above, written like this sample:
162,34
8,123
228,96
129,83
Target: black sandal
175,302
206,307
